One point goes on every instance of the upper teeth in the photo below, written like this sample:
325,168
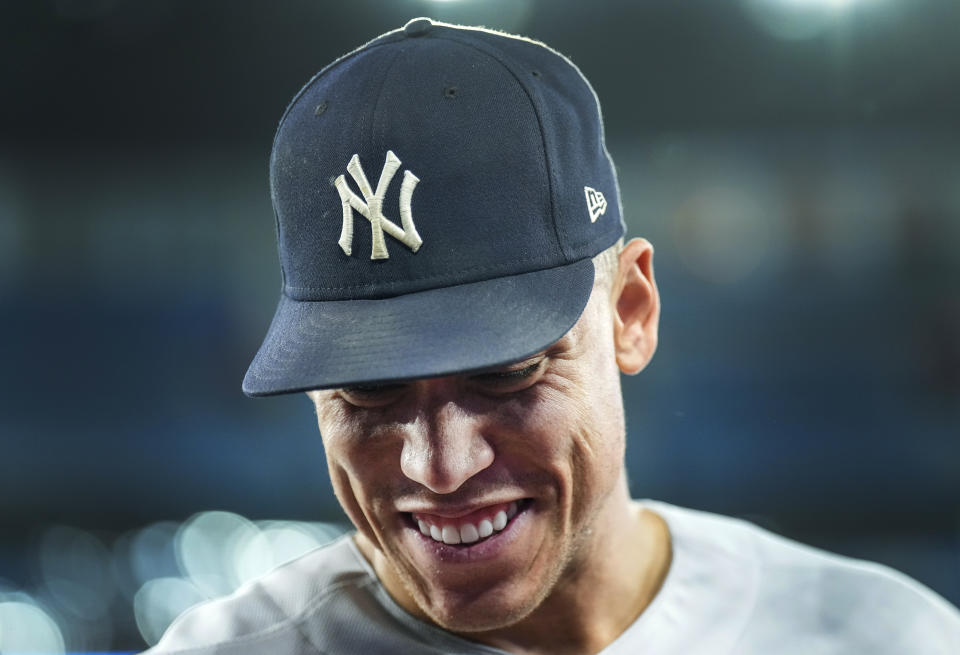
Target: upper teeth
466,532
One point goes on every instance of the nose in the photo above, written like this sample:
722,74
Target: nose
444,448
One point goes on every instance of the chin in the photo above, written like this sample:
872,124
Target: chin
480,615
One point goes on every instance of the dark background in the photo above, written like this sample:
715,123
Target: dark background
796,165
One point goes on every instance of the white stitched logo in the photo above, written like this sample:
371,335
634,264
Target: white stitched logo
596,203
371,207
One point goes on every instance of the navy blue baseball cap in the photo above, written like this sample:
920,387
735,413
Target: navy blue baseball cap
439,195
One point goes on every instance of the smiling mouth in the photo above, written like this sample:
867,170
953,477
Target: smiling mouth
471,529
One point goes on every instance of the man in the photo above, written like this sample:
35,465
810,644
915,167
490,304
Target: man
458,304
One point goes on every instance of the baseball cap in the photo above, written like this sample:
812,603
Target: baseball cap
439,195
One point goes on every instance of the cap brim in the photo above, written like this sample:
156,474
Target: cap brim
445,331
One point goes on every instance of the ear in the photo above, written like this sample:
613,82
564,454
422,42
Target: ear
635,303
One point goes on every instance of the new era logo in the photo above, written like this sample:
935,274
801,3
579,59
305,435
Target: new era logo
596,203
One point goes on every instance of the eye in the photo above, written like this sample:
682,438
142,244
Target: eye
371,395
515,378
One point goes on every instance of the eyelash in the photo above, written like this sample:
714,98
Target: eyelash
507,376
371,389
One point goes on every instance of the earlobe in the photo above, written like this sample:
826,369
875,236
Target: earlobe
636,307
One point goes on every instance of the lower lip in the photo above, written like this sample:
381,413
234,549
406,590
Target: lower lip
486,549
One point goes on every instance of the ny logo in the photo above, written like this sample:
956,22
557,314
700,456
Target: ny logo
371,207
596,203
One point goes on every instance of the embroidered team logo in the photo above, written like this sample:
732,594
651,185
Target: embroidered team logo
371,207
596,203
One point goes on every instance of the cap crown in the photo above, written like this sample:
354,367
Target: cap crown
501,135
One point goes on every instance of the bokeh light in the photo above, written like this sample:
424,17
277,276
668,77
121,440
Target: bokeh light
274,543
76,570
160,601
160,570
731,226
796,20
290,539
152,553
216,552
25,628
207,547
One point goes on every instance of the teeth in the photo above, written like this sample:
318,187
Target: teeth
485,529
468,533
450,535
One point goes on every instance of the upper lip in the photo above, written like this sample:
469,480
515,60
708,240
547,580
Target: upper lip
455,511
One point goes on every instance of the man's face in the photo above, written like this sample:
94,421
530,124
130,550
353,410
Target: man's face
539,443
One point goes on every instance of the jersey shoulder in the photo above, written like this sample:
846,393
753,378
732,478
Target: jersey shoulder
814,601
859,604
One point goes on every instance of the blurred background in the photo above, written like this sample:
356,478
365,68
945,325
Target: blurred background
796,163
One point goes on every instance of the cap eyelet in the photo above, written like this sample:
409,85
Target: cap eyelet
450,92
535,73
322,107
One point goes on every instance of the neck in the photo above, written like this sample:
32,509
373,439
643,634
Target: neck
618,574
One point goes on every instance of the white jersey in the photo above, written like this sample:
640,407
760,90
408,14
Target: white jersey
732,588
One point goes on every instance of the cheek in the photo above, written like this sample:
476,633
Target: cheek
359,487
584,428
350,444
532,429
357,469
